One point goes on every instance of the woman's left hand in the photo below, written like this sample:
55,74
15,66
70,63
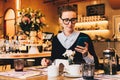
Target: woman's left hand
81,49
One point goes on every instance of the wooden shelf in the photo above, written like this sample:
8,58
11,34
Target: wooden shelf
95,25
24,55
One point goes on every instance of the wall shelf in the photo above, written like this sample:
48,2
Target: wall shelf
95,25
93,28
93,33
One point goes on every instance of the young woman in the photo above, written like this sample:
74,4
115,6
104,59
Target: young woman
68,40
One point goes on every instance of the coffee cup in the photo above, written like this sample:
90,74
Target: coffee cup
57,62
74,70
53,71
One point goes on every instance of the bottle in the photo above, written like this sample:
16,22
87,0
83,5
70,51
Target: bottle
109,61
17,45
12,47
7,46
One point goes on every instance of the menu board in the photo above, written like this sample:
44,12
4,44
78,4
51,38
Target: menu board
98,9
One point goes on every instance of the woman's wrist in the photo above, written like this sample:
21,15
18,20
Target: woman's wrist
85,54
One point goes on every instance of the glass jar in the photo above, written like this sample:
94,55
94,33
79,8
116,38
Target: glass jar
88,71
19,64
109,62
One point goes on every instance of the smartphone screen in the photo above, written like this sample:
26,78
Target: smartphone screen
81,41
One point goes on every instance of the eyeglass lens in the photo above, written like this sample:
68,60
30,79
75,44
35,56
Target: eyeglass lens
67,20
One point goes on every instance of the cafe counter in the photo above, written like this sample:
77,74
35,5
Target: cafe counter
24,55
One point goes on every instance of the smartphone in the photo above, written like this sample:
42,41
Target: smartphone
81,41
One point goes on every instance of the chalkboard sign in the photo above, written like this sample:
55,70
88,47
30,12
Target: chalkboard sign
98,9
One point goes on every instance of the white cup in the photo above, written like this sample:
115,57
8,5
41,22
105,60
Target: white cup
63,61
75,70
53,71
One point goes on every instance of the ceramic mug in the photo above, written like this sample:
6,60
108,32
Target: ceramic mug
74,70
57,62
53,71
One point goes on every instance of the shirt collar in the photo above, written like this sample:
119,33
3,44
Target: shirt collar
71,38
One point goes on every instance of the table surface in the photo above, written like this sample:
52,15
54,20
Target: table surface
45,77
24,55
36,77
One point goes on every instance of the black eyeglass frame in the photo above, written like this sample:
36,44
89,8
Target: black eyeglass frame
72,20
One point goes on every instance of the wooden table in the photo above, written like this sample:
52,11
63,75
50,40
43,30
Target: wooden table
24,55
45,77
37,77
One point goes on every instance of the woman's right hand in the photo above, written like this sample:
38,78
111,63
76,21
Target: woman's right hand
45,62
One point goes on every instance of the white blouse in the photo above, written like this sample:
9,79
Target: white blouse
68,41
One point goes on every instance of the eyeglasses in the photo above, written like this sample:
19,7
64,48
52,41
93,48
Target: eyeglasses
67,20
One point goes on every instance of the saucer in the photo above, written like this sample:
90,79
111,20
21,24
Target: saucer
74,76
